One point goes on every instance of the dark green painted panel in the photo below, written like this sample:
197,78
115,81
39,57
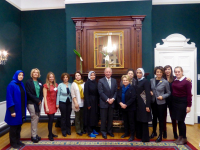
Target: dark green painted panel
110,9
43,42
183,19
10,40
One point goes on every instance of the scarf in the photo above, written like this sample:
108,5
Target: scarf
124,89
89,74
141,69
80,88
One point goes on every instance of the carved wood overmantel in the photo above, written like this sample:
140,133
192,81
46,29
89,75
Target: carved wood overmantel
132,29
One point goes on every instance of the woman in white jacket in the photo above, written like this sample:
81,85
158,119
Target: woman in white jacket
77,93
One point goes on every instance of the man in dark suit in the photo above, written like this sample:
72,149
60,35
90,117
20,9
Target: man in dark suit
107,87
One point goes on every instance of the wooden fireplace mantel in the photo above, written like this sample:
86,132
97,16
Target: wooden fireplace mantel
132,28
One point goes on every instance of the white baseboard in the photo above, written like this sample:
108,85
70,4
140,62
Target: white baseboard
2,113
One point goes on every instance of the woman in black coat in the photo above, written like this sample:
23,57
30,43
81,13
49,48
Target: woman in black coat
143,105
91,101
126,99
34,90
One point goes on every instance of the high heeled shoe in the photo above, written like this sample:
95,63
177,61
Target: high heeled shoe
159,139
153,135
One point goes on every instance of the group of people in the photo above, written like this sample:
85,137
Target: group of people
138,99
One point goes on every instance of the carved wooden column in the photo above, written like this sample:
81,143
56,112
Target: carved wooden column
79,29
138,36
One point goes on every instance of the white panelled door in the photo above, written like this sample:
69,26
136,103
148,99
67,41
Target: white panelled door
177,52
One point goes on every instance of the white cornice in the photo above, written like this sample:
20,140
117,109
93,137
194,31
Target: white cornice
25,5
94,1
168,2
154,2
15,3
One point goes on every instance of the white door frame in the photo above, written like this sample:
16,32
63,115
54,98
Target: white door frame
178,43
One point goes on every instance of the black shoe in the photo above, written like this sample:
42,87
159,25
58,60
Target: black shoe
64,134
131,138
21,144
38,137
83,132
153,135
159,139
144,140
15,146
165,134
51,138
175,135
111,134
34,139
124,135
69,132
104,136
53,135
79,134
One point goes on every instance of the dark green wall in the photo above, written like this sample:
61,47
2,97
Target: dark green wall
43,42
183,19
110,9
10,40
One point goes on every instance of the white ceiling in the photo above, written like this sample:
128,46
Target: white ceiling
25,5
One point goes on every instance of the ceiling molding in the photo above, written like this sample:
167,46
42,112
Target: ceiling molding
170,2
95,1
26,5
17,5
41,8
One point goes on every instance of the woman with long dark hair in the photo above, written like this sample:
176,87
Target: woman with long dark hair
168,75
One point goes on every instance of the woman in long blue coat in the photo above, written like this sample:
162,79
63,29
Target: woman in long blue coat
16,101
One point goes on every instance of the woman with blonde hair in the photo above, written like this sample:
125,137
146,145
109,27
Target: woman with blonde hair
34,92
181,103
50,93
126,98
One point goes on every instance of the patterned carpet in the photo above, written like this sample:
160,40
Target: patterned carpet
99,144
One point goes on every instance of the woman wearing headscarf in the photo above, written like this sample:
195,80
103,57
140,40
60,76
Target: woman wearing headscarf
126,99
16,102
143,105
34,90
91,100
77,93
